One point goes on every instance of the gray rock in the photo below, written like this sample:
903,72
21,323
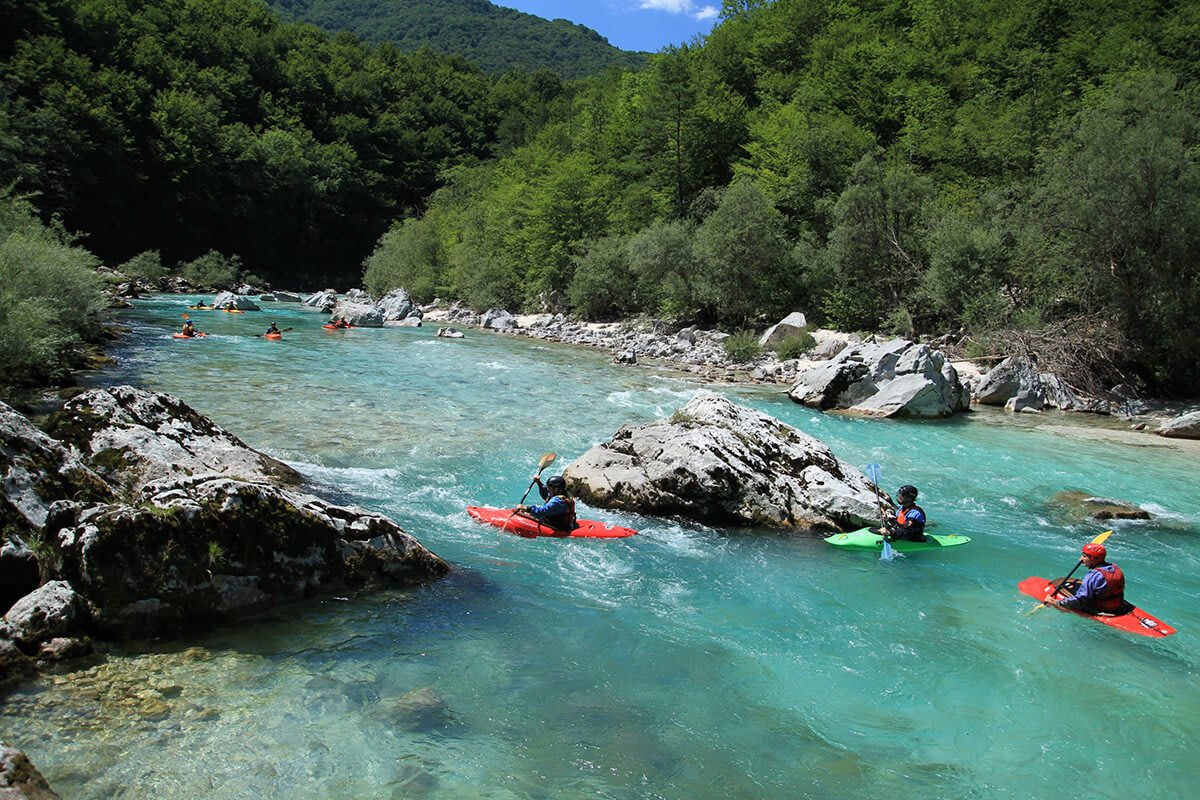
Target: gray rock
1012,376
719,462
791,325
625,357
498,319
19,778
239,301
1074,506
132,436
1182,427
287,297
20,573
36,470
827,349
324,300
892,378
54,609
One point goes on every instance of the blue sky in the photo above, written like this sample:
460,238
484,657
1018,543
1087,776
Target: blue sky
630,24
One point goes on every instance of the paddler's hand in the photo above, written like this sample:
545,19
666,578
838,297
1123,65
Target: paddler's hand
536,479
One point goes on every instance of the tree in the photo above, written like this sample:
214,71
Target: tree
408,256
743,260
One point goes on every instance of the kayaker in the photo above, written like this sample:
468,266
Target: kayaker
1102,590
189,329
558,511
272,329
909,523
340,323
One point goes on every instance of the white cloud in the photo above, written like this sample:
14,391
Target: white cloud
680,7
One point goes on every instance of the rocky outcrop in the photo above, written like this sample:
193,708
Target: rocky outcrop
498,319
718,462
151,518
897,378
19,778
394,309
130,436
1186,426
36,469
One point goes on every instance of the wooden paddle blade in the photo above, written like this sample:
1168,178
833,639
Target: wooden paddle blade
546,460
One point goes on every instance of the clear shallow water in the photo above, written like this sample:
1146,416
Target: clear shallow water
686,662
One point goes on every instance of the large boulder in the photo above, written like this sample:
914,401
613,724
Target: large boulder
52,610
209,548
888,379
1013,377
792,325
722,463
131,436
19,778
324,300
1186,426
239,301
36,470
498,319
19,570
200,525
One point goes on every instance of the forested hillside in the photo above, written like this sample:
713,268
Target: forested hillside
497,39
1020,173
190,125
1024,173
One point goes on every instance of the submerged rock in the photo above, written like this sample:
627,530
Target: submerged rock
718,462
1075,505
19,778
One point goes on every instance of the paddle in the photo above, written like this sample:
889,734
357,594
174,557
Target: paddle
1058,587
888,553
543,462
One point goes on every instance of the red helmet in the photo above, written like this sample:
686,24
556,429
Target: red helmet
1095,550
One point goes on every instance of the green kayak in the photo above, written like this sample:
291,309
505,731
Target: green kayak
866,539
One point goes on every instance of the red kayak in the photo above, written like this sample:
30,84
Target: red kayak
185,336
329,327
1132,621
521,525
275,337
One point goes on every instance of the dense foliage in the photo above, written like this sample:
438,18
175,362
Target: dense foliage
498,39
905,165
1017,171
188,125
50,298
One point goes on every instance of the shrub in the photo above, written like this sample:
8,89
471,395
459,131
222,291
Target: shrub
795,345
50,297
603,286
742,347
144,266
212,270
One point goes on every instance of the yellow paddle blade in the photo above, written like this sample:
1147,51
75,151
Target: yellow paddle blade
1100,539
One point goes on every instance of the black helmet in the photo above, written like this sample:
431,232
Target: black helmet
557,483
907,491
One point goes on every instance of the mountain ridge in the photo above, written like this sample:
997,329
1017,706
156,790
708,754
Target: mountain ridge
495,38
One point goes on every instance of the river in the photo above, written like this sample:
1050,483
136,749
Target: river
685,662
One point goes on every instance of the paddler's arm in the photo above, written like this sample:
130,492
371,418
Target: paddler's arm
1091,585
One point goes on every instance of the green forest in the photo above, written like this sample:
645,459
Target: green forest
1019,173
495,38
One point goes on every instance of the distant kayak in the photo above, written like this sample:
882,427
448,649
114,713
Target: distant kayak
505,519
1132,620
202,308
273,336
329,327
866,539
233,311
185,336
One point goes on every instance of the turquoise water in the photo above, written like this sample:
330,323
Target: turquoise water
686,662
